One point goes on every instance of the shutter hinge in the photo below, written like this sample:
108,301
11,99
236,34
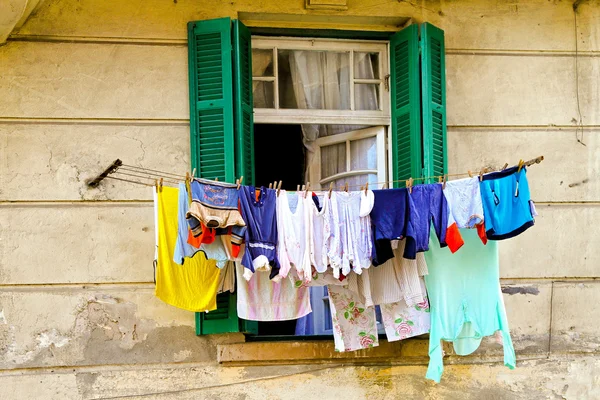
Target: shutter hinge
386,82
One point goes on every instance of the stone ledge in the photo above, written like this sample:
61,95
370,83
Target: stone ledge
410,351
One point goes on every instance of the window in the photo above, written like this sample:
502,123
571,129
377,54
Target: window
223,77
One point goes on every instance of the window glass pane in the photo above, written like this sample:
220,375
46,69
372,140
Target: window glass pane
262,62
366,96
318,80
262,93
327,315
333,159
366,65
363,154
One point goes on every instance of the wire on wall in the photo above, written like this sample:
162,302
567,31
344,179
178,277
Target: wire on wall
579,128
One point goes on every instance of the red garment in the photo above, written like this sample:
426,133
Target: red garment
207,236
454,239
481,232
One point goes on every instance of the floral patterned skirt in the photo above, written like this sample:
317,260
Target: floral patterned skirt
355,325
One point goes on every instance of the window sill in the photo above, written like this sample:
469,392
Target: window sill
410,351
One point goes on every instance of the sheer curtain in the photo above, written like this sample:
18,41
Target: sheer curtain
321,80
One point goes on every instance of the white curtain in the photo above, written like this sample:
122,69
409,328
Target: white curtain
321,80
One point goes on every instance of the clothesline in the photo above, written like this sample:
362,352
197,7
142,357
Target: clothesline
161,177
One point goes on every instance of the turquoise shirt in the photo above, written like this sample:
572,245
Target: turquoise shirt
465,299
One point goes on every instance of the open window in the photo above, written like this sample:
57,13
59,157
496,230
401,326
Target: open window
380,115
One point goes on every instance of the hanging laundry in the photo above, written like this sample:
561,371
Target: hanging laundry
389,220
506,203
323,232
355,231
182,247
427,204
214,204
259,212
396,280
227,278
465,210
466,300
292,230
262,299
193,285
355,324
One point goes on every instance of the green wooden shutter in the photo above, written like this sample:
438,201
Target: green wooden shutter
406,105
433,93
211,132
244,118
211,98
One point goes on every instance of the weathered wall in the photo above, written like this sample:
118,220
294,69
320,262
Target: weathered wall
85,82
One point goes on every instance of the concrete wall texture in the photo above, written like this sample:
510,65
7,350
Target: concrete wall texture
84,82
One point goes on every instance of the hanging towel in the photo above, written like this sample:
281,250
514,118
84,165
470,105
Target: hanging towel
193,285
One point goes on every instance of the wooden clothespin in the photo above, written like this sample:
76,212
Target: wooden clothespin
481,175
346,187
239,183
410,185
505,166
306,193
470,174
366,187
330,189
217,179
270,186
444,182
193,173
279,187
187,177
298,188
440,179
156,185
303,187
521,162
160,185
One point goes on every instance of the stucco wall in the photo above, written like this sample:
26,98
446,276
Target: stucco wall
85,82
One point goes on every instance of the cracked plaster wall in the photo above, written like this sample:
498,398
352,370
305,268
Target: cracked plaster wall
78,318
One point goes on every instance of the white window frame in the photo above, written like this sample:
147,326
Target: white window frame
315,165
351,117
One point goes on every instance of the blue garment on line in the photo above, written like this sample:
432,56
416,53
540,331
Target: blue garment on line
506,207
389,219
182,247
465,300
261,229
427,204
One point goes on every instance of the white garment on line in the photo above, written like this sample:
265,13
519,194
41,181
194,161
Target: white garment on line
323,231
292,233
464,202
355,230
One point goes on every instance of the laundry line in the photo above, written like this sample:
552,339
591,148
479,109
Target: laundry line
158,178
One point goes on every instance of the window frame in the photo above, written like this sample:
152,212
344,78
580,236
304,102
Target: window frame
278,115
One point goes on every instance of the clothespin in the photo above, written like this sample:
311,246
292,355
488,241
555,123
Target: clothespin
298,188
193,173
330,189
239,183
187,177
521,162
279,187
366,187
470,174
410,185
444,182
306,193
217,179
346,187
156,185
440,179
505,166
481,175
160,185
270,186
303,187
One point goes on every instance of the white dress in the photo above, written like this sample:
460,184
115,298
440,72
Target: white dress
323,232
292,247
355,230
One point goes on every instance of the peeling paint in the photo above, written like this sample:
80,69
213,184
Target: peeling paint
520,290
